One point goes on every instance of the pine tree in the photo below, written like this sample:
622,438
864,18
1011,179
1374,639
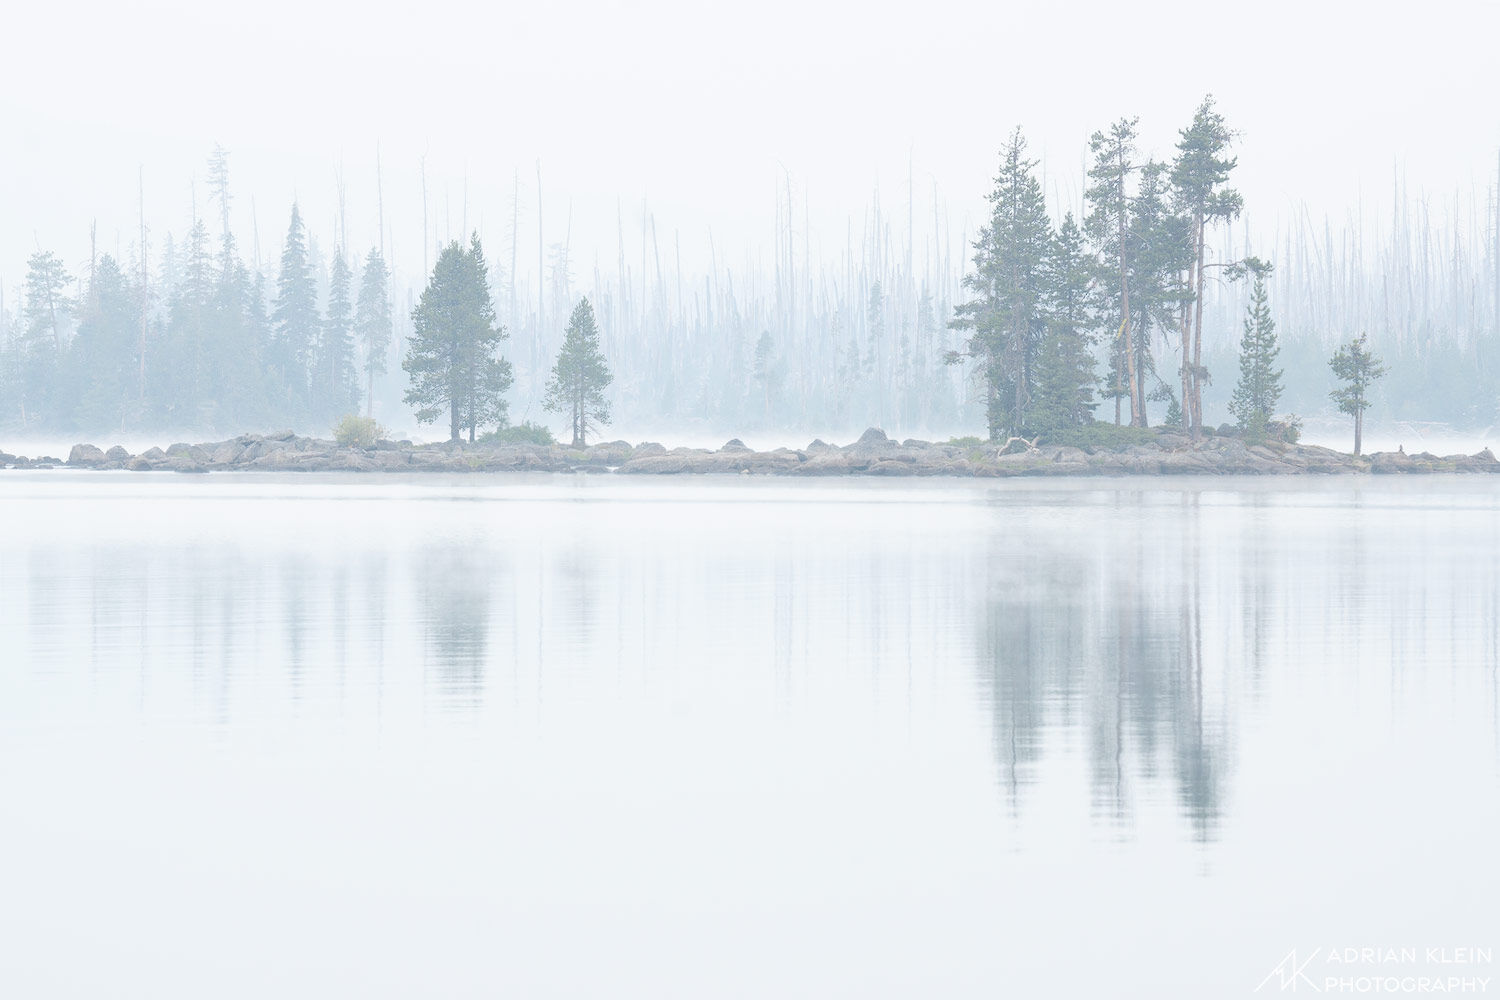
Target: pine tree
338,379
236,372
1065,372
260,332
1199,173
1109,227
372,322
580,376
103,353
453,359
45,315
490,375
1005,319
180,385
1358,368
1259,388
1158,291
295,316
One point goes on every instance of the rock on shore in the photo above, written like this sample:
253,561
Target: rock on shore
873,454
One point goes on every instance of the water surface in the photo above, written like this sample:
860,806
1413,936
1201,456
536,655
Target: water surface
567,736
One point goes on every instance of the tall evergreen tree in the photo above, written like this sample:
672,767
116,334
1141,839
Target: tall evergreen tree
236,377
1200,172
372,322
1157,288
489,373
1259,388
1005,319
8,365
338,379
453,358
1357,367
1109,228
295,316
1065,372
45,316
260,332
103,352
181,384
580,376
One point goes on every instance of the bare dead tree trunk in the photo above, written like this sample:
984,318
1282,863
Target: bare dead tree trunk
515,233
1185,328
141,182
541,273
1136,405
1197,381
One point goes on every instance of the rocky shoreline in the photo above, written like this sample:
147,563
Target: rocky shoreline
873,454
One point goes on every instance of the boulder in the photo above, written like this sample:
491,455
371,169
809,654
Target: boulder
610,453
227,453
664,464
874,437
351,460
392,461
828,463
86,456
117,454
734,444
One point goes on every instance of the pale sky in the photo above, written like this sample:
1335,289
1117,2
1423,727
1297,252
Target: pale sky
698,108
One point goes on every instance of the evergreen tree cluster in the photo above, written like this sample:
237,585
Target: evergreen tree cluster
1129,279
205,342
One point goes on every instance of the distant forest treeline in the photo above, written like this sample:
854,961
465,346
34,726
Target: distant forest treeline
182,331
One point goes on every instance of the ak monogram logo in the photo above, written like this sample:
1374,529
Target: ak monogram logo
1290,973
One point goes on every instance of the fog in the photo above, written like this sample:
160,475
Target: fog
649,155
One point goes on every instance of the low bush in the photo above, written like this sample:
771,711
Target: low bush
1287,428
354,431
525,432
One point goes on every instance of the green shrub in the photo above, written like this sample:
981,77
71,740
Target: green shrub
1287,428
354,431
966,442
525,432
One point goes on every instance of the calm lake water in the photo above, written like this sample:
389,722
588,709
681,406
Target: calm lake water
572,737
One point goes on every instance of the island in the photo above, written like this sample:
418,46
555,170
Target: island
1165,452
